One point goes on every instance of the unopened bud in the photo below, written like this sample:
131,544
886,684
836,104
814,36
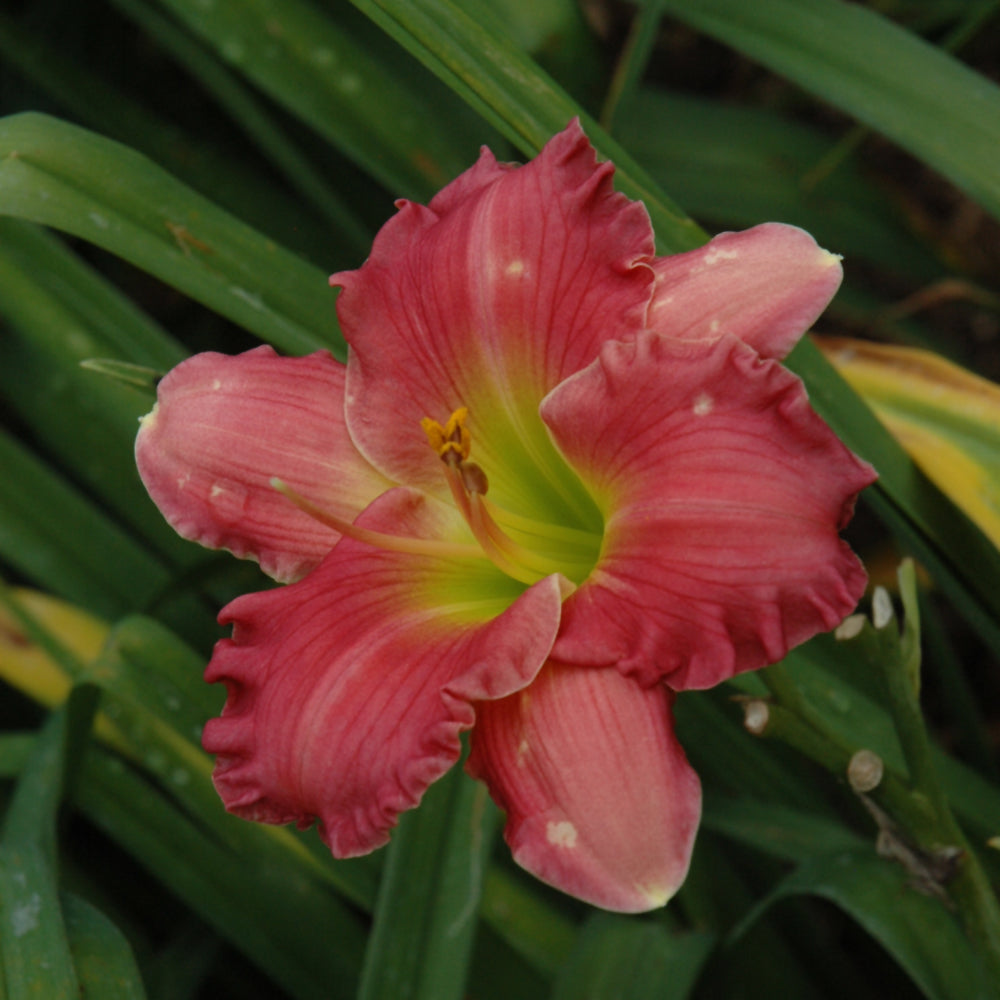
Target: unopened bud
865,770
850,627
756,715
882,612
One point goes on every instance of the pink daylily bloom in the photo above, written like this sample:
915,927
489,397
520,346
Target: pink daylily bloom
558,480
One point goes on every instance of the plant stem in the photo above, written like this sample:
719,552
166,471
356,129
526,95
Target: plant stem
970,889
920,804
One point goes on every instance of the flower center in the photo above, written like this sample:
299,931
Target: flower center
525,549
575,551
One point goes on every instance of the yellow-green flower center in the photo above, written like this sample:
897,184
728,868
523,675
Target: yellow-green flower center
543,548
523,548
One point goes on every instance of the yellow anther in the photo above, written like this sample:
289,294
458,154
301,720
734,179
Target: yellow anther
469,484
453,439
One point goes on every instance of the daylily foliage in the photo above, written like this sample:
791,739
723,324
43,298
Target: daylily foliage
558,480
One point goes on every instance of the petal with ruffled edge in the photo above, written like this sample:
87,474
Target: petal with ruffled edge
600,799
224,426
766,285
506,283
723,493
348,690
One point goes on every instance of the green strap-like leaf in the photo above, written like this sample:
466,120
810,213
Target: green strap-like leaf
58,313
250,113
736,166
621,959
105,965
916,930
54,535
778,830
63,176
288,926
35,950
82,93
526,921
509,89
887,77
402,135
428,902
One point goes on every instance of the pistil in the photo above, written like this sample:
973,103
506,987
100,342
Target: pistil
468,484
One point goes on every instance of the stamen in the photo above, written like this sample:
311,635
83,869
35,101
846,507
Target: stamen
462,481
392,543
468,485
453,439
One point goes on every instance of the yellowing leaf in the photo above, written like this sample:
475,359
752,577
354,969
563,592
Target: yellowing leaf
28,667
25,665
947,418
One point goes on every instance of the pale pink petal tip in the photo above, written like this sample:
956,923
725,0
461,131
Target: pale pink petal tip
765,285
601,802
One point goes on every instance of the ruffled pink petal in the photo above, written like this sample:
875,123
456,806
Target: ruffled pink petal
506,283
766,285
600,799
348,690
224,426
723,494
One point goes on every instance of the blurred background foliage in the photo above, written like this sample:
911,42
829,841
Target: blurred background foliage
178,175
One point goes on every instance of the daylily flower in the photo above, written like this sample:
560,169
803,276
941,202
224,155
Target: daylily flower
558,480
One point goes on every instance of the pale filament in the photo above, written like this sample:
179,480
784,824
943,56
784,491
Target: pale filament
393,543
468,485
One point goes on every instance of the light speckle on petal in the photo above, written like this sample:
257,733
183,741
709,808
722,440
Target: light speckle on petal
765,285
718,254
561,834
515,268
703,405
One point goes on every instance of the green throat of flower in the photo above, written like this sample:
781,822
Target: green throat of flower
543,548
525,549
